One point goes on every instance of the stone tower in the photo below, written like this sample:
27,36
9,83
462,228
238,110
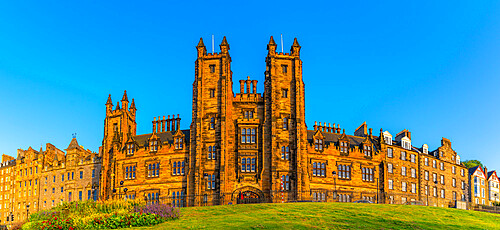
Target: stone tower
284,126
119,126
210,127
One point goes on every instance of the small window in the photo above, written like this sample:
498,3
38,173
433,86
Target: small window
178,168
389,168
212,93
389,152
212,152
285,179
284,93
178,143
344,171
284,69
285,123
212,68
212,123
285,153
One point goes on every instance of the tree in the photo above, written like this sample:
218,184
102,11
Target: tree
472,163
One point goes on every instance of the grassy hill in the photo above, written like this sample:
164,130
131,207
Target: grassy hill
330,215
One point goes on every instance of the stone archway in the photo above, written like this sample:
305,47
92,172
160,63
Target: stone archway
248,195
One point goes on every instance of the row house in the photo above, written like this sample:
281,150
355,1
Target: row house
484,186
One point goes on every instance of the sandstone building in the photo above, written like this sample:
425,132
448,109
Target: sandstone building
44,179
255,147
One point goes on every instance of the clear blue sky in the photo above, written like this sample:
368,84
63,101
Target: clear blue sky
430,67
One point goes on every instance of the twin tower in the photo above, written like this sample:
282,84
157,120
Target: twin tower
236,144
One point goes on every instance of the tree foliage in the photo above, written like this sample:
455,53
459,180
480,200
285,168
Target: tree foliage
472,163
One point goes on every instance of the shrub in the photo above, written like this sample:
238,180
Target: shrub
128,220
17,225
56,223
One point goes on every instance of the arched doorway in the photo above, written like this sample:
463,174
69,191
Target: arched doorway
248,195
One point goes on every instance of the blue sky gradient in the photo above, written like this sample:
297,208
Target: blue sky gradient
430,67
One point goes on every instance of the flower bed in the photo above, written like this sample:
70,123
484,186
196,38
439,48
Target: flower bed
101,215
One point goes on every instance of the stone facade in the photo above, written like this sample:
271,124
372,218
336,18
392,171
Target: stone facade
6,183
252,145
44,179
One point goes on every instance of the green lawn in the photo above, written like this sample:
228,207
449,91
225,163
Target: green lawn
329,216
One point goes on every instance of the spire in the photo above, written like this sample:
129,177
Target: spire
202,50
200,44
109,100
125,98
117,105
224,46
224,42
271,41
271,46
132,106
295,50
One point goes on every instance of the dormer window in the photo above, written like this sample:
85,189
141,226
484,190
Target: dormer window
178,143
285,153
153,146
388,140
344,147
318,144
285,123
425,149
130,149
367,150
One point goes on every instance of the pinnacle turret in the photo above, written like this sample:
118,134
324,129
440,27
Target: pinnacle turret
125,98
109,102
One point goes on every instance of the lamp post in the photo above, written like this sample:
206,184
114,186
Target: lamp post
334,185
120,190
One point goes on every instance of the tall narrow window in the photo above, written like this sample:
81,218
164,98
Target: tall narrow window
285,153
403,155
212,93
389,152
285,123
389,168
284,69
285,182
253,135
211,181
212,68
243,135
212,123
284,93
211,152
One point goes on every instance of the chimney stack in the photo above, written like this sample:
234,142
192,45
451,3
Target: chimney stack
242,86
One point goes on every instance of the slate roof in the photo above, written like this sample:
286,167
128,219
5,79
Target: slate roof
142,140
73,144
473,169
